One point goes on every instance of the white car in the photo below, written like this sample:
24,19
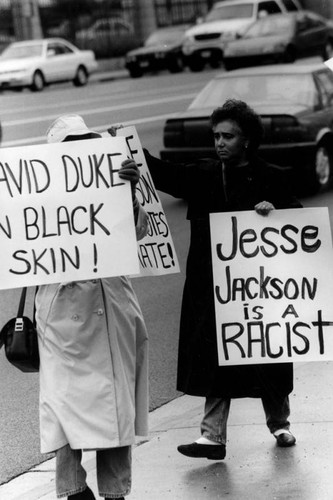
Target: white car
36,63
206,41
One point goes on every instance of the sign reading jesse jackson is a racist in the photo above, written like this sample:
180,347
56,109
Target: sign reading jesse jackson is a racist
65,214
273,286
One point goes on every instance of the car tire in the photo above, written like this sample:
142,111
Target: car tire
135,72
81,77
176,65
196,64
215,61
289,55
229,65
38,81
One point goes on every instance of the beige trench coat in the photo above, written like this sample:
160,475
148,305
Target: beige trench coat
93,363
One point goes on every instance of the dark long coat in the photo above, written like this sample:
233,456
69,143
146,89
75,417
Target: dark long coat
201,184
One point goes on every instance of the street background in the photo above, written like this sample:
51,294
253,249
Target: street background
147,103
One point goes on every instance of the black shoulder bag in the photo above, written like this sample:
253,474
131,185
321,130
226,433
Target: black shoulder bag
19,336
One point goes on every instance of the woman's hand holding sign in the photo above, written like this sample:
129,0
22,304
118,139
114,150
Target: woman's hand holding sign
129,171
264,207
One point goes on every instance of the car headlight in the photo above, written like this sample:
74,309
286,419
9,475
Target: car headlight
130,59
188,40
160,55
229,35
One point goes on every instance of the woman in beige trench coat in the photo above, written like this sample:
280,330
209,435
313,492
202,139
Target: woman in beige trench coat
93,365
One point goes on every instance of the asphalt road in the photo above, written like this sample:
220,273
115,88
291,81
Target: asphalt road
25,118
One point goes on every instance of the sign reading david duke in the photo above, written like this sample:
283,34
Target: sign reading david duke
65,214
157,254
273,286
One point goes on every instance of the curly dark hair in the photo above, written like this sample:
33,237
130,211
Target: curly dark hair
245,117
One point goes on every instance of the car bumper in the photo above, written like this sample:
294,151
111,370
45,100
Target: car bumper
151,64
252,60
296,155
14,81
204,48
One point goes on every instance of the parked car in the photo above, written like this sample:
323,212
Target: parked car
295,103
161,50
281,38
64,29
36,63
108,37
226,20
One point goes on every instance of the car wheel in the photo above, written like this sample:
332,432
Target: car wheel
328,50
229,65
81,77
289,55
215,62
38,82
323,168
135,72
196,64
176,65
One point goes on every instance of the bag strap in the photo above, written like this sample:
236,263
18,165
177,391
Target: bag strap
22,302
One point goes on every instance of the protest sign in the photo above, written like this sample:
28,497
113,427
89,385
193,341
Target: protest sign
273,286
157,254
65,214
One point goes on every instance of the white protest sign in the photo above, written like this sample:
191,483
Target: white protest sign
65,214
157,254
273,286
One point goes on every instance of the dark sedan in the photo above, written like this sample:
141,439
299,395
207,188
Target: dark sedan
161,50
296,106
281,38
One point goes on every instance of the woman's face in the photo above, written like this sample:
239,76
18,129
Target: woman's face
230,143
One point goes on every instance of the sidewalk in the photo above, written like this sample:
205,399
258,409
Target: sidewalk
109,70
254,469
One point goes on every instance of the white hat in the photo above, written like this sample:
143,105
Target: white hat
67,125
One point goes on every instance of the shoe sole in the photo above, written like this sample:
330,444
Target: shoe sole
218,456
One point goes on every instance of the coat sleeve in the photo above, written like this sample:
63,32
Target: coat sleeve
281,186
171,178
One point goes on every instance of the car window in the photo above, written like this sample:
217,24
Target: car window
314,21
290,5
271,25
119,27
325,83
256,89
269,7
59,48
101,26
303,24
239,11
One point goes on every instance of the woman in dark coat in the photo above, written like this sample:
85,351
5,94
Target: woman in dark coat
237,181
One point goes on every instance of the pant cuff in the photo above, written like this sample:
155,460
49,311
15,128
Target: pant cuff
217,439
280,427
71,492
115,495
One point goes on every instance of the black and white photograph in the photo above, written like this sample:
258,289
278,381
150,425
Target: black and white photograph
166,235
